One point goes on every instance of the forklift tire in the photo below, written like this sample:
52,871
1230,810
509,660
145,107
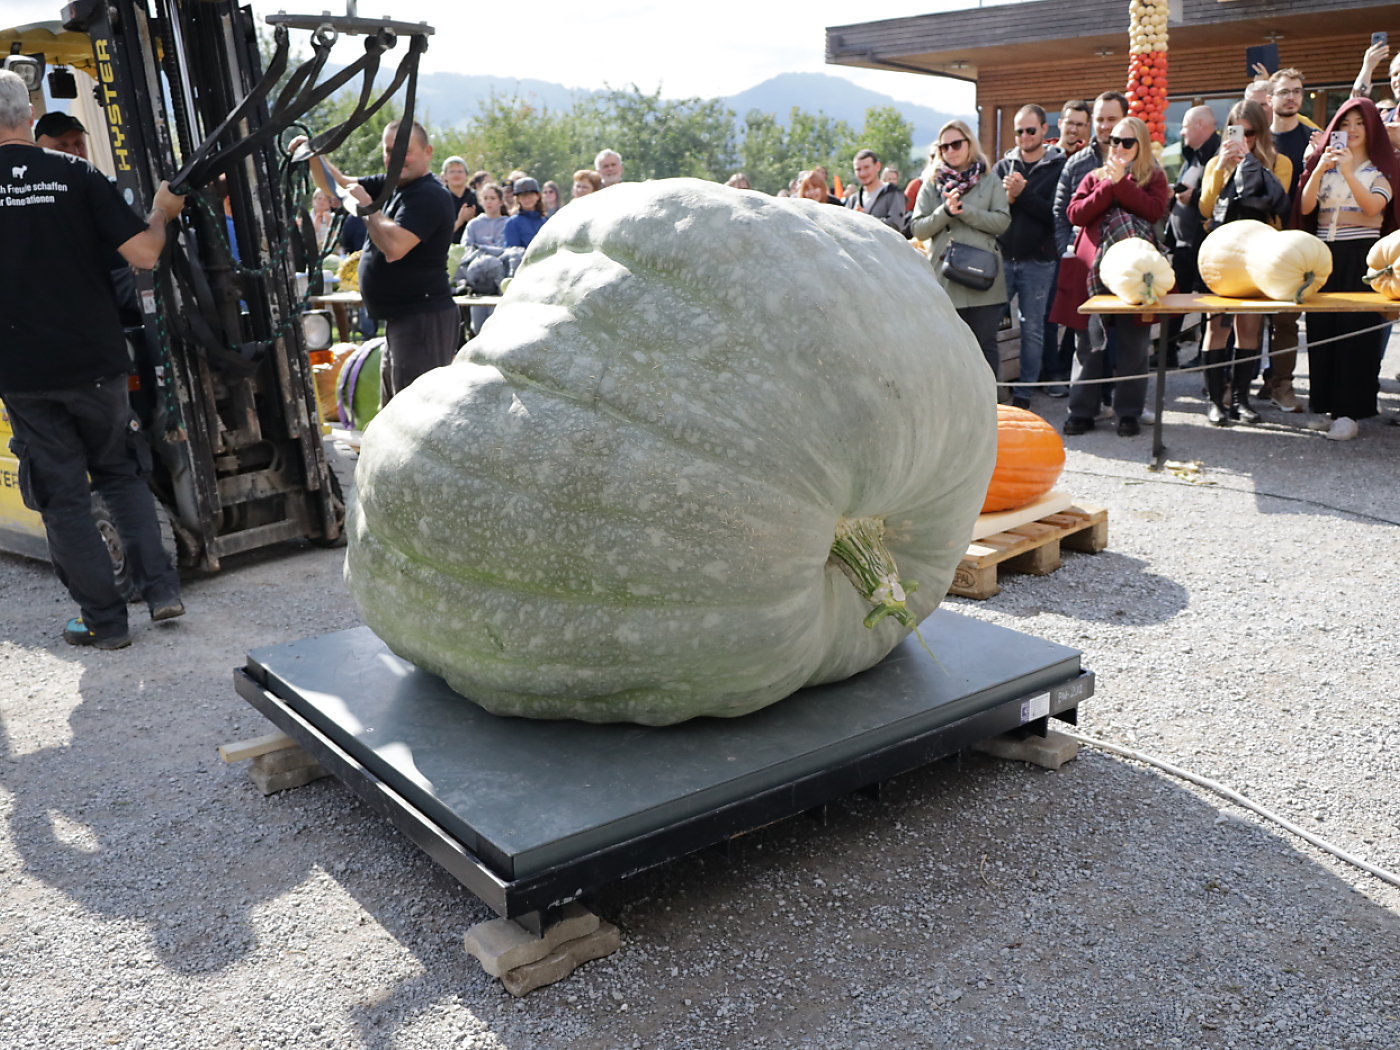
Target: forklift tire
121,570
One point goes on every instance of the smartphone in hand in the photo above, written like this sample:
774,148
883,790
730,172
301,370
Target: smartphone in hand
1338,140
1379,38
1234,133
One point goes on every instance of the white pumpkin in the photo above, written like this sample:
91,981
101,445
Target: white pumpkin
694,463
1292,267
1381,266
1248,259
1136,272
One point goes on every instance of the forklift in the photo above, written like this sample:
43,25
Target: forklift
221,375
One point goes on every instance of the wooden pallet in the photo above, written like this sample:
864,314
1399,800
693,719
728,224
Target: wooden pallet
1032,548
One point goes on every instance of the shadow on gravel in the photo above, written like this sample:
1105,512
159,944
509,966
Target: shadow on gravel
1290,469
1107,587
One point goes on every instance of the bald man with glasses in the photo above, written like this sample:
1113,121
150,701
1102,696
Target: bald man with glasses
1030,172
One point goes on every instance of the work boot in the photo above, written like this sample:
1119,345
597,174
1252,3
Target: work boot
1281,394
1240,408
1217,413
75,632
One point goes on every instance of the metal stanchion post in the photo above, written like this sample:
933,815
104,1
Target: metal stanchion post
1159,451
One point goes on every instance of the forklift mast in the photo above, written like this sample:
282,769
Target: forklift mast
223,380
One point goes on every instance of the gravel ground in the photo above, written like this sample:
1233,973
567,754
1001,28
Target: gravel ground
152,898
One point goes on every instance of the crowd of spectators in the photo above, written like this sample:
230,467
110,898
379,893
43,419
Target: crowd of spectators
1024,234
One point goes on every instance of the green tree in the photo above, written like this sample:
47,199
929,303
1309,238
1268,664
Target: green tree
511,133
890,136
664,138
763,152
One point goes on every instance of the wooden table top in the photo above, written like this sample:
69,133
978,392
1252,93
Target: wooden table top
1181,303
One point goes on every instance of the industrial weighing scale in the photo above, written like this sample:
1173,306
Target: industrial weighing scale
529,815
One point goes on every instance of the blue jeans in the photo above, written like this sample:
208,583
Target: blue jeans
1031,282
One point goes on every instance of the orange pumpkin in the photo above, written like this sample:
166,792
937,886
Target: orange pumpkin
1030,457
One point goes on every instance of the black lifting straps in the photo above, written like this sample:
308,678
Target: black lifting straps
299,96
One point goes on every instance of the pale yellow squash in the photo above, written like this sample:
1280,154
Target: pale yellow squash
1136,272
1381,262
1247,259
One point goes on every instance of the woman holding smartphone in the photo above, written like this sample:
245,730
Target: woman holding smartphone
1346,196
1245,180
1124,198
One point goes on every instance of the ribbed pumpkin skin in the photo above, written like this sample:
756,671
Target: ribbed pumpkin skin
1381,260
1030,458
1248,259
618,503
1224,257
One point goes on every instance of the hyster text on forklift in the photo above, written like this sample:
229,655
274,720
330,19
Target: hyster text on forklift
221,373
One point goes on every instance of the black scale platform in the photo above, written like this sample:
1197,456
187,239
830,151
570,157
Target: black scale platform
529,814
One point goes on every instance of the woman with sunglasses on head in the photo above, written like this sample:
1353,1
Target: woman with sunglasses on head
959,203
1124,198
1245,180
1346,196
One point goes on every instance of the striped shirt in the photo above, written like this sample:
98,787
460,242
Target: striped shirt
1339,217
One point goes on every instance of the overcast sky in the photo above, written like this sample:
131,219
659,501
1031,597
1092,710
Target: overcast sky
685,48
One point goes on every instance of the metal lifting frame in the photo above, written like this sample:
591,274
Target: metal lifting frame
225,381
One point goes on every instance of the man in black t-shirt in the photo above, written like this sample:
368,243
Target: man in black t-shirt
403,271
64,365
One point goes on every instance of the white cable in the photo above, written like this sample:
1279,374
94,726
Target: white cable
1238,799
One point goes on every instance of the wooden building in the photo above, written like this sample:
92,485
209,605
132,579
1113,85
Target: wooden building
1048,51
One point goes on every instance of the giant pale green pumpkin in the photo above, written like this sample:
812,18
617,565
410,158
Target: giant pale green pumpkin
697,460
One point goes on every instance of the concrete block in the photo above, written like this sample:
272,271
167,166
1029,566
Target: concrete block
502,945
567,958
1051,751
283,761
272,783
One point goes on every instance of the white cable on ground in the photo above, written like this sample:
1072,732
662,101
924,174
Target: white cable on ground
1194,368
1237,798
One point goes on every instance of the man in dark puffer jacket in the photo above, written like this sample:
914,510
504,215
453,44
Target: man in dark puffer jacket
1030,171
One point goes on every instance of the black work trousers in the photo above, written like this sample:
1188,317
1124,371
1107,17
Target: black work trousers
416,344
61,439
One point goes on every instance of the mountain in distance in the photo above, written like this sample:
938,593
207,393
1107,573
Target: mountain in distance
454,98
840,99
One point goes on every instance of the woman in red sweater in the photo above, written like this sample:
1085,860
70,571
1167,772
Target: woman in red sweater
1124,198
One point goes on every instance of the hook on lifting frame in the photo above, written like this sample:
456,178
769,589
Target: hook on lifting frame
301,94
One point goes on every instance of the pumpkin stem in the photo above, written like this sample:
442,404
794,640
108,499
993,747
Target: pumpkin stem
1149,298
1308,279
868,564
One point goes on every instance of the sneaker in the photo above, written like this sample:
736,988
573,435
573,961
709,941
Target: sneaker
1343,428
1105,413
1282,395
168,609
75,632
1021,402
1147,417
1318,423
1076,425
1057,391
1128,427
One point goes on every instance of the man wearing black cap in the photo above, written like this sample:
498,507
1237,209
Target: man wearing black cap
403,271
61,131
64,365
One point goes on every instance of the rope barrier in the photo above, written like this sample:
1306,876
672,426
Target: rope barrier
1195,368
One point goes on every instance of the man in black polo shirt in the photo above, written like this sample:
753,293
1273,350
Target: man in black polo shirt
403,271
64,365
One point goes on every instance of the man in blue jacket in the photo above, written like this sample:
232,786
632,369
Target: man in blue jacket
1030,171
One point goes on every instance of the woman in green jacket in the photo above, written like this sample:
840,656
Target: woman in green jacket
961,201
